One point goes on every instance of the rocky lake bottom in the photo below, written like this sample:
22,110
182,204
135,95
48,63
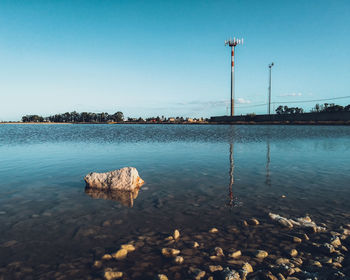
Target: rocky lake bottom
203,213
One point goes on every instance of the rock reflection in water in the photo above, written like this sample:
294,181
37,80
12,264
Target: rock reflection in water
126,198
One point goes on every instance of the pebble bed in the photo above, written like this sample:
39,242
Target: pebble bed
250,249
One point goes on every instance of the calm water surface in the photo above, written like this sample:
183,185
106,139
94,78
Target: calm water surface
46,217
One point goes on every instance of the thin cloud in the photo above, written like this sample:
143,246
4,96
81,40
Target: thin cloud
242,101
293,94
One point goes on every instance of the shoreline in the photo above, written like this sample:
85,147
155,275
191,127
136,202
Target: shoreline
336,123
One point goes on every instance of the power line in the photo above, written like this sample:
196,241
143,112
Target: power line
301,101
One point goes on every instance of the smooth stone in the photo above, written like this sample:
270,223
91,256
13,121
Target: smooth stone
176,234
261,254
336,242
316,263
236,254
170,252
337,265
297,239
297,261
293,253
270,276
195,245
111,275
219,252
339,259
283,261
97,264
213,268
327,260
228,274
107,257
197,273
120,254
2,212
162,277
215,258
247,267
179,259
128,247
254,222
214,230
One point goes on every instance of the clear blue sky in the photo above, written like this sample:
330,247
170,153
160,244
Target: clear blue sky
149,58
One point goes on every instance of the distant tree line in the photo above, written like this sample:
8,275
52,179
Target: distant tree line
73,117
323,108
286,110
330,108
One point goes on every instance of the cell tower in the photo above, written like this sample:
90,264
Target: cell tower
233,43
269,108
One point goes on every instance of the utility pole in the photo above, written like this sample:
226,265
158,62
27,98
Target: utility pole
270,67
233,43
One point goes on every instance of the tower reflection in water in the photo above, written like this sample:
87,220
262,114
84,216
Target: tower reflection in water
268,178
233,202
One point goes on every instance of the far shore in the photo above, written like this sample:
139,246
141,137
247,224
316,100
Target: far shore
200,123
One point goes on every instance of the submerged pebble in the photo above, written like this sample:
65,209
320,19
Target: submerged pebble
261,254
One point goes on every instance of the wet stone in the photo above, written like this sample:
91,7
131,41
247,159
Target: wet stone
213,268
335,241
162,277
97,264
297,239
219,252
107,257
195,245
293,253
253,222
120,254
196,273
261,254
179,259
316,263
228,274
268,275
170,252
176,234
247,267
236,254
280,261
128,247
110,274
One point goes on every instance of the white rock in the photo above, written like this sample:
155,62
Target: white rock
125,179
304,222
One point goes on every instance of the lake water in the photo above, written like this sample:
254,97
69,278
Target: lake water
50,228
